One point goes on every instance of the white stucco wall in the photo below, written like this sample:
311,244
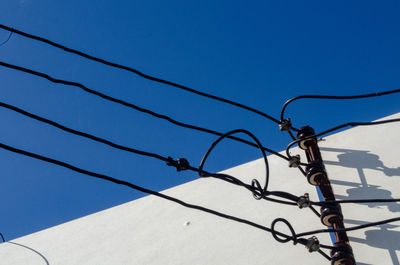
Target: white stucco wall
362,163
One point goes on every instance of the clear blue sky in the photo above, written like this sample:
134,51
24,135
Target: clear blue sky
259,53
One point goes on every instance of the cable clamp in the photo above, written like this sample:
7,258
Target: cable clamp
294,161
304,201
180,164
285,125
312,244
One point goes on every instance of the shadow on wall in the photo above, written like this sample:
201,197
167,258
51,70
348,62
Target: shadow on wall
31,249
360,160
383,237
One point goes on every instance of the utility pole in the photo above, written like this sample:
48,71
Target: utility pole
331,214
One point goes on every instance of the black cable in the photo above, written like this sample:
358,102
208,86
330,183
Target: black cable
130,105
255,182
295,237
139,188
135,71
336,97
2,237
358,227
83,134
275,234
314,211
328,203
292,198
224,177
169,160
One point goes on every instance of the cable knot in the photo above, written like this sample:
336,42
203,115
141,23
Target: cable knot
180,164
294,161
304,201
312,244
285,125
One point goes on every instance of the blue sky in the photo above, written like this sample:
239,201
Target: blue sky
259,53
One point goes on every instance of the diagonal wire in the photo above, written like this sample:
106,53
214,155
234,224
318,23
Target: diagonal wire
137,72
169,160
136,187
132,106
293,199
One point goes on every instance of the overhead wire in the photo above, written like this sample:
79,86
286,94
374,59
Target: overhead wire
295,237
229,178
348,229
376,94
130,105
255,182
137,72
254,188
169,160
148,191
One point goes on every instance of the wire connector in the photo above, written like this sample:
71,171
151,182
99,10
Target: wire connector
294,161
285,125
304,201
180,164
312,244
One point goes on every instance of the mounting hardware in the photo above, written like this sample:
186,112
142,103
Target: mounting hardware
180,164
285,125
294,161
312,244
305,132
328,214
315,174
304,201
342,254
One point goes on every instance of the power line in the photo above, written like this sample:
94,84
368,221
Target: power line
353,228
83,134
139,188
377,94
254,187
296,238
130,105
137,72
178,164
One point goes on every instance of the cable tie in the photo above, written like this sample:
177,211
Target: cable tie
304,201
285,125
312,244
180,164
294,161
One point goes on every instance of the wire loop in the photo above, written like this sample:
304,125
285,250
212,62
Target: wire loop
259,145
285,240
